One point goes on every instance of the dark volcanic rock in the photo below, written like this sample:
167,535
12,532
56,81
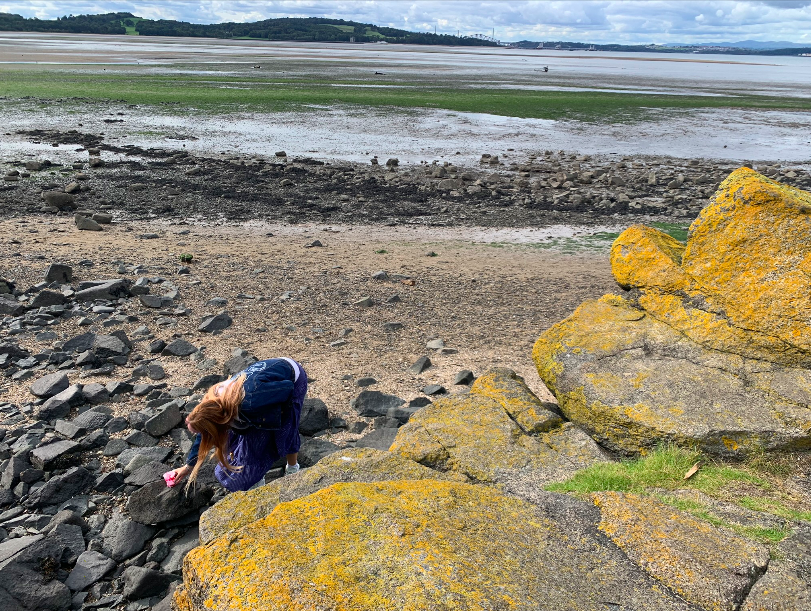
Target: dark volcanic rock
60,488
47,298
379,439
371,403
80,343
59,405
219,322
179,347
141,582
58,272
314,449
106,289
50,385
90,567
44,456
122,537
155,502
164,421
314,417
10,306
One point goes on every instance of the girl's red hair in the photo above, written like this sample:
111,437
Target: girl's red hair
211,418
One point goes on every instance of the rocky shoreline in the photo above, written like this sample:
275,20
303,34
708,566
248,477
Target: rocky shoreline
546,188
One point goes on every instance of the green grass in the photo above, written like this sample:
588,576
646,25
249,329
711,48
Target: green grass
674,230
663,468
131,30
228,93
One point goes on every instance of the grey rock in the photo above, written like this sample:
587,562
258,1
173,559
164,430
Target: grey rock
464,377
314,417
67,516
314,449
435,344
150,472
216,323
379,439
50,385
108,289
79,343
370,403
155,502
116,425
364,302
84,223
60,488
434,389
141,439
92,420
207,381
122,537
141,582
156,346
10,306
11,473
70,537
102,218
90,567
420,365
107,482
154,301
60,200
392,326
58,272
60,405
155,371
174,561
164,421
68,429
240,360
44,457
158,454
95,393
47,298
114,447
109,346
364,382
179,347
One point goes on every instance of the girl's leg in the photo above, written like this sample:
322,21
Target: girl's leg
253,451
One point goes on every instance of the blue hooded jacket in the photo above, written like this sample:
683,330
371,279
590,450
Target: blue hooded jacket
268,390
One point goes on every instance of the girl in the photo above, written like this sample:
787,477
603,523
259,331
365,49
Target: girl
250,421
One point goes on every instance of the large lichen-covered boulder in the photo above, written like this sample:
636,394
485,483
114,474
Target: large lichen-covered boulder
787,583
499,433
348,465
634,382
708,566
742,283
422,545
710,347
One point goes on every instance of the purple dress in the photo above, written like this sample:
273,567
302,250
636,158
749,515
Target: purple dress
253,448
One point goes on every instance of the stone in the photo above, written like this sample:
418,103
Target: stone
707,348
207,381
47,298
60,488
122,537
392,326
66,516
95,393
60,404
549,557
155,371
92,419
164,421
141,439
179,347
314,417
157,453
84,223
380,439
420,365
90,567
477,435
68,429
50,385
141,582
239,509
155,502
464,378
57,199
708,566
434,389
43,457
366,381
145,474
109,346
154,301
114,447
80,343
786,584
10,306
371,403
106,289
108,482
102,218
314,449
212,324
173,563
435,344
364,302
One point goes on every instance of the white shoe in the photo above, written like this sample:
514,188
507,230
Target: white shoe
290,469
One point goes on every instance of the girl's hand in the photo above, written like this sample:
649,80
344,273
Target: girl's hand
174,477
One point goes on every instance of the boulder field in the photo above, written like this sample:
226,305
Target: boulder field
707,347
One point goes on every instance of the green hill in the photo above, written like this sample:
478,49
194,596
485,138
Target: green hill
311,29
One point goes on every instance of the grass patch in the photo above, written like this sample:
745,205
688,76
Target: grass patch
663,468
228,93
774,506
674,230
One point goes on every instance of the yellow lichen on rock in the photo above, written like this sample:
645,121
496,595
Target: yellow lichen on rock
413,546
349,465
645,257
512,393
706,565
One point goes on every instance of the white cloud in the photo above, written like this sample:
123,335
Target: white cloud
598,21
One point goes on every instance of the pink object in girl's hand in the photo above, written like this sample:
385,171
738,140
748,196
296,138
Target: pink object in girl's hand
170,478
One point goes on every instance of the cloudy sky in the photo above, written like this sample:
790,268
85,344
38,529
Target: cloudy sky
652,21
